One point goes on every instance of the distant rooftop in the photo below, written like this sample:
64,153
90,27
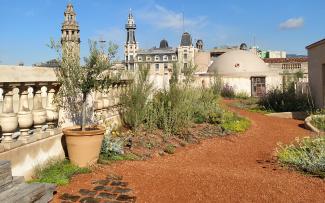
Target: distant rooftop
286,60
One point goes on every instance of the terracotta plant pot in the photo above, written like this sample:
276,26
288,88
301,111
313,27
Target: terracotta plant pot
84,146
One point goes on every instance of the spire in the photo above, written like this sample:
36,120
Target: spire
130,18
70,35
130,28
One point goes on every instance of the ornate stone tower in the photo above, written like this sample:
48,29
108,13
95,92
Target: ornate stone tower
131,45
70,38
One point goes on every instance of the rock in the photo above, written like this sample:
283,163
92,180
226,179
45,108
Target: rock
89,200
86,192
105,195
122,190
69,197
97,188
119,183
125,198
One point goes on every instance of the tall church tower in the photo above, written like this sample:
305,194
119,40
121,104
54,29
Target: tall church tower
70,38
131,46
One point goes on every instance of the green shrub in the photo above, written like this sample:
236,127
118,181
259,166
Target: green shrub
110,158
319,122
170,149
135,98
279,100
58,172
242,95
234,123
228,92
306,155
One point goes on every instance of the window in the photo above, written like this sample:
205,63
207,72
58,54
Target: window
258,86
157,67
174,57
165,58
156,58
126,58
166,67
139,58
185,65
132,67
148,58
185,56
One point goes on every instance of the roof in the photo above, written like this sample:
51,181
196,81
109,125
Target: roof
286,60
316,44
186,39
154,51
239,63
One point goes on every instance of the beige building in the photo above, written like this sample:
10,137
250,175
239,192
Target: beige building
70,33
316,62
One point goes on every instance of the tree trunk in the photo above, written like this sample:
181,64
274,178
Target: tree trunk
84,108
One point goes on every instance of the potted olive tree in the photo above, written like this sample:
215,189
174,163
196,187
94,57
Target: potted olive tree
78,83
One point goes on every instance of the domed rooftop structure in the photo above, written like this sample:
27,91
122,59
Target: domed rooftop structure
186,39
243,46
238,63
163,44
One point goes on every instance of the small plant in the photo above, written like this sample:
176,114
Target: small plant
170,149
234,123
319,122
306,155
58,172
242,95
134,100
228,92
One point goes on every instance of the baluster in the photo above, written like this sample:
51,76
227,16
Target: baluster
110,100
8,119
52,113
25,116
105,102
39,113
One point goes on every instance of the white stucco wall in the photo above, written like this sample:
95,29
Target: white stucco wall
316,57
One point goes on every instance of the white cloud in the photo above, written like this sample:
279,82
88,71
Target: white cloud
164,18
292,23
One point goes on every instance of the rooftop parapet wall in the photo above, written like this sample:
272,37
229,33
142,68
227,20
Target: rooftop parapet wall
9,73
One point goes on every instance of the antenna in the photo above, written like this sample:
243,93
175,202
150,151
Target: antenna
102,41
183,21
254,40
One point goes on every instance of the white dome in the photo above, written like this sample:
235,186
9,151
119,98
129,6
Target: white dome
238,62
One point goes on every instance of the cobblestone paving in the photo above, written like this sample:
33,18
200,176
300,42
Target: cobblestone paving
109,190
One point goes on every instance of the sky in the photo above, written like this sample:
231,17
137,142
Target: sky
26,26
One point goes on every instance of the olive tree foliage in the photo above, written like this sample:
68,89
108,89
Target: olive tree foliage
79,81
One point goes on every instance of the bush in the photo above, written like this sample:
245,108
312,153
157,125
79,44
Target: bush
135,98
285,100
319,122
175,109
306,155
170,149
234,123
242,95
228,92
58,172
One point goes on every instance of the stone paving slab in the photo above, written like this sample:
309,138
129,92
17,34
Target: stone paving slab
109,190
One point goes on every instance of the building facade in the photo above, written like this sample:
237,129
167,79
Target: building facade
160,59
316,73
70,33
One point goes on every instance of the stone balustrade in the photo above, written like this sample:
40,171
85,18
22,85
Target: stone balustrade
28,112
107,102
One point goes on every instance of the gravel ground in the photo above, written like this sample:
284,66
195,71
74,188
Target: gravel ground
236,168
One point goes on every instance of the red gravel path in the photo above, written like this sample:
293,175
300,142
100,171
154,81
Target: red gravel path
230,169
